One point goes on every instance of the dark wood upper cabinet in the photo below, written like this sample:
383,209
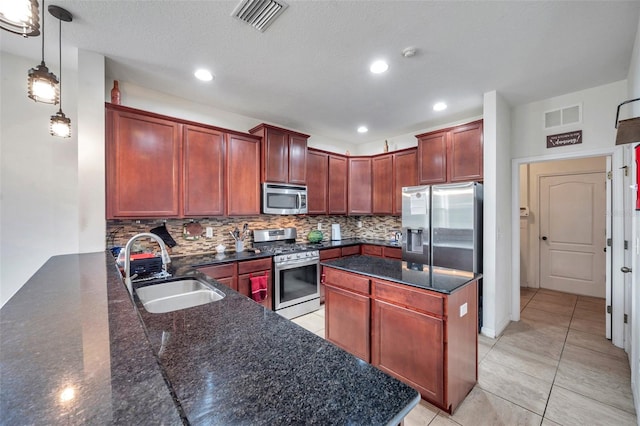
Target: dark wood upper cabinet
284,154
405,173
451,155
466,153
143,163
337,188
359,185
204,159
243,176
382,181
432,157
317,181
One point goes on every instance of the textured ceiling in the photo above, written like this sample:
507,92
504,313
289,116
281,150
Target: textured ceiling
309,69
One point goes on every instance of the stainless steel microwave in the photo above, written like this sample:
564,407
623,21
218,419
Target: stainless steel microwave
280,198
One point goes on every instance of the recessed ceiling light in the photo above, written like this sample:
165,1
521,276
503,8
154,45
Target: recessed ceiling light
378,67
203,75
439,106
363,129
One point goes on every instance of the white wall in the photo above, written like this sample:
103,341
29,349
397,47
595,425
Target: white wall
599,106
38,178
497,215
161,103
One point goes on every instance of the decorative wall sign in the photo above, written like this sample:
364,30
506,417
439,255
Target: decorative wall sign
563,139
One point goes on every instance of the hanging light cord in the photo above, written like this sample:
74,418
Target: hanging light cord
59,54
43,31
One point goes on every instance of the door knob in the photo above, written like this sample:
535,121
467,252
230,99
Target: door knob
544,238
625,269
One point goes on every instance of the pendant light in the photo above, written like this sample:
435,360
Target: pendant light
20,17
60,124
43,84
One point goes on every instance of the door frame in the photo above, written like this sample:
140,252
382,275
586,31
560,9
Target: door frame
614,204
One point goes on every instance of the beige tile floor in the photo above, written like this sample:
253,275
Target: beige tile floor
553,367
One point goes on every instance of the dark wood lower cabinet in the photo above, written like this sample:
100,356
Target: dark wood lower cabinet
409,345
425,338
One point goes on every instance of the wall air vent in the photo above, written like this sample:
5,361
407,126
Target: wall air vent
563,116
259,13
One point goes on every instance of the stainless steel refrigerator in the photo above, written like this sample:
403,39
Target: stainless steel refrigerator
442,225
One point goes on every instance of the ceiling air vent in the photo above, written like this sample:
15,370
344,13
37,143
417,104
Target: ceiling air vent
259,13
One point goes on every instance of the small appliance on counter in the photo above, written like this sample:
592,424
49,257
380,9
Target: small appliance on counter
335,232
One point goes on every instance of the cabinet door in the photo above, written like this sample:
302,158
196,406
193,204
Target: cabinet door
144,157
405,173
359,199
203,193
371,250
432,158
243,176
382,177
318,175
466,153
410,346
337,184
244,287
347,321
297,160
276,156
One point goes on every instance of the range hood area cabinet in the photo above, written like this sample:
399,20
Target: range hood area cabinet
451,155
284,154
326,183
163,167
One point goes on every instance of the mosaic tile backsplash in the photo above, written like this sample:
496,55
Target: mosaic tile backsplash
118,232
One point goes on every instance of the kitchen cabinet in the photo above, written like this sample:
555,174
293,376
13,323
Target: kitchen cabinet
350,251
225,274
371,250
347,312
383,196
203,192
243,176
317,181
327,254
359,186
392,252
337,184
451,155
405,173
284,154
425,338
255,268
143,165
381,251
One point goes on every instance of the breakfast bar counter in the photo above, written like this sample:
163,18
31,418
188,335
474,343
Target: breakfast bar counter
76,349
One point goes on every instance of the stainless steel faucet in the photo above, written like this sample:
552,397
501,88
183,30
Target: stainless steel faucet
127,257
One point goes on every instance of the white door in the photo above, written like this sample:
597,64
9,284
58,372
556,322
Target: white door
573,233
630,243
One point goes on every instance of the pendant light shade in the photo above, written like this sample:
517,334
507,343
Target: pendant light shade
42,84
20,17
60,125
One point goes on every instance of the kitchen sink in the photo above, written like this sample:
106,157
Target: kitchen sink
175,295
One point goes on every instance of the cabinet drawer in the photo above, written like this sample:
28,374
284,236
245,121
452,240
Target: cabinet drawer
254,265
345,280
393,252
372,250
219,271
350,250
409,297
333,253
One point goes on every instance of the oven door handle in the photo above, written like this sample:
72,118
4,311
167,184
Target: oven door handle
297,263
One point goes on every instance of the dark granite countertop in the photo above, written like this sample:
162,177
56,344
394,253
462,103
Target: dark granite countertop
442,280
74,326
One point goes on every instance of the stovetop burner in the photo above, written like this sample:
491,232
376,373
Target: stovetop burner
282,241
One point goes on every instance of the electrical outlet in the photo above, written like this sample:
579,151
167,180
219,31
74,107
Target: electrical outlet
463,309
319,226
209,232
359,224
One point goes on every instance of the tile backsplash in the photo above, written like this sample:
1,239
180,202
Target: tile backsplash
118,232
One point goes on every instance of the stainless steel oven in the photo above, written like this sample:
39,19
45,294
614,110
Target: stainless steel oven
297,283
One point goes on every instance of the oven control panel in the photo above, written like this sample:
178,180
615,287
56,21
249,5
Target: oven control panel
302,255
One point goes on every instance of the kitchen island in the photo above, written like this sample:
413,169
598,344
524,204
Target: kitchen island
415,322
75,348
